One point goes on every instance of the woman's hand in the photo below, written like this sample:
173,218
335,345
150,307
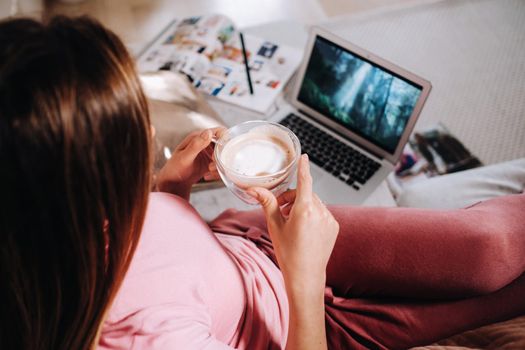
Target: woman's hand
303,233
191,161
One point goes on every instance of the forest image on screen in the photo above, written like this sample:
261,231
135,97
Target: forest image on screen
364,98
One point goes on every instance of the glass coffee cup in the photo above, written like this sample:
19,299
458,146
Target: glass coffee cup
257,154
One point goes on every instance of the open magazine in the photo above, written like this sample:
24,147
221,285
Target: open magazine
207,50
433,152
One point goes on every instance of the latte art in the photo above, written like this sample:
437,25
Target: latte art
256,154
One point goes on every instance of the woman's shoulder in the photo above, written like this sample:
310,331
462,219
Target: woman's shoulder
162,201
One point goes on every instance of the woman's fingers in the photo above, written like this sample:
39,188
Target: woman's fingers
199,141
304,180
197,144
218,132
269,204
213,173
186,141
215,133
211,176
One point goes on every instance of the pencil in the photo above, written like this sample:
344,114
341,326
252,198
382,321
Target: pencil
246,63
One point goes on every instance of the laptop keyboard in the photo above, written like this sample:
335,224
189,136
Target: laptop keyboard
342,161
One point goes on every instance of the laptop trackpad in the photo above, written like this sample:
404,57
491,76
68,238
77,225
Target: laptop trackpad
317,174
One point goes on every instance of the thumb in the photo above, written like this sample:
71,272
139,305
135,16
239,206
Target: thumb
198,143
269,205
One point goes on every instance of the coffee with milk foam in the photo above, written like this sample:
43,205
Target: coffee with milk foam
261,152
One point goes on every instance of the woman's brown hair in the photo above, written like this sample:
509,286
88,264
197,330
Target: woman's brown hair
74,178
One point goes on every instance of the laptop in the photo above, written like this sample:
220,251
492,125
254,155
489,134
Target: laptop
353,113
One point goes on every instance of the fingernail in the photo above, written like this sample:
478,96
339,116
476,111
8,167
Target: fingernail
205,134
305,155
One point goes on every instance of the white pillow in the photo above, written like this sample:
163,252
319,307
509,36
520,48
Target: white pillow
459,190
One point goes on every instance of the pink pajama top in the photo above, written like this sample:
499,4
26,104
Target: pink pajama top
188,288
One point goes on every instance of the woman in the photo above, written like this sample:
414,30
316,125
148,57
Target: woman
83,265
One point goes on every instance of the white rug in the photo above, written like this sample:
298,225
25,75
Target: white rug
473,52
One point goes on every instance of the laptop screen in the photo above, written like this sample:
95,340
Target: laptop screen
367,99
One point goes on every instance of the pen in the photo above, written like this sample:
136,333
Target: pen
246,63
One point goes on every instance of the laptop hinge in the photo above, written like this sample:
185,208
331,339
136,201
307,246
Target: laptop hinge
338,133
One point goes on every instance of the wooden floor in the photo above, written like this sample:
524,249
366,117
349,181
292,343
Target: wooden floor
137,21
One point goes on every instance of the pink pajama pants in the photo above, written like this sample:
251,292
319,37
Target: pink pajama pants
402,277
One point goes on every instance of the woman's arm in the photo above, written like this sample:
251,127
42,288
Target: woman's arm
307,323
303,234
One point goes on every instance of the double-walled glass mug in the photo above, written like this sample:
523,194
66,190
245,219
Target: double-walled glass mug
257,154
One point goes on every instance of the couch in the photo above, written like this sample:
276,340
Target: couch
178,111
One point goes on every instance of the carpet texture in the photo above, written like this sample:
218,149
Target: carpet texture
473,53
